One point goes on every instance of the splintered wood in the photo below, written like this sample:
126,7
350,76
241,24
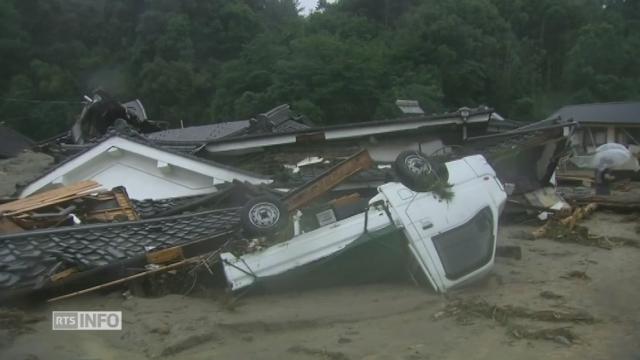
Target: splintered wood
49,198
579,214
570,221
116,206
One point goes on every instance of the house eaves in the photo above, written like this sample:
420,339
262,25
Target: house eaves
347,131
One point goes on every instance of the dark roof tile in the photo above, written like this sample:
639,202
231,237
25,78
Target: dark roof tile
97,245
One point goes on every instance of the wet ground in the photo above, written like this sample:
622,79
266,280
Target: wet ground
382,321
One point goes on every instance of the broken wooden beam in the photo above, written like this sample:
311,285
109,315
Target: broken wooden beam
313,189
165,255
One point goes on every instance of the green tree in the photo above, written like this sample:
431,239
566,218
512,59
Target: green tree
604,63
41,102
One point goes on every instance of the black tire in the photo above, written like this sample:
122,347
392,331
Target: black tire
417,172
264,215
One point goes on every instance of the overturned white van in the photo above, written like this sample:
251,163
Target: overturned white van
450,241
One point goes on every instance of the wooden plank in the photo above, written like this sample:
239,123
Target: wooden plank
588,182
49,198
63,274
55,194
328,180
47,195
115,214
165,255
123,200
345,200
576,173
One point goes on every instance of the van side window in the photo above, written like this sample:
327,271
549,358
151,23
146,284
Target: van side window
468,247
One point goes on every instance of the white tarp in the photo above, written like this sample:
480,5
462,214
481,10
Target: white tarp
608,156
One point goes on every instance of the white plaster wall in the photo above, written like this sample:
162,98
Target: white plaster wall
141,177
146,172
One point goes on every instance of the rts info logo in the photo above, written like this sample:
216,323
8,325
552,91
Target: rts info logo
87,320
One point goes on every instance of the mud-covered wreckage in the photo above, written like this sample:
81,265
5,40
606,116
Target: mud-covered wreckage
267,198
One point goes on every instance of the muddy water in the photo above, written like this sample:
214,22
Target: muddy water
392,320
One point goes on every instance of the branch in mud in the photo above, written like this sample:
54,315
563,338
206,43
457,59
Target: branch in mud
466,310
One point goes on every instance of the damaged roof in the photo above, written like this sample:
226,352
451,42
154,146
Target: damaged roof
480,115
277,120
26,256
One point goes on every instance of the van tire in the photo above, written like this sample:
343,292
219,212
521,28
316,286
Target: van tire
417,172
264,215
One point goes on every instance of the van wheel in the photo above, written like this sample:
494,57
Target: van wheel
417,172
264,215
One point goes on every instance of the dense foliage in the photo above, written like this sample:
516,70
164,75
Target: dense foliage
213,60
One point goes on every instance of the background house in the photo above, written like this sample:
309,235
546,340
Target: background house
602,123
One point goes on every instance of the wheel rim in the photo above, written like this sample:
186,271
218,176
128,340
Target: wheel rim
417,164
264,215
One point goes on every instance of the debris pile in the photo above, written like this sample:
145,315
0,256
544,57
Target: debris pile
82,202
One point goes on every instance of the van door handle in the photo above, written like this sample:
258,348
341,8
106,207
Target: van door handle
426,225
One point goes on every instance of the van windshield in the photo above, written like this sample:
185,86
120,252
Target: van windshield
467,247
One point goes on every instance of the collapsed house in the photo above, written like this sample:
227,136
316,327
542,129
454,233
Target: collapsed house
317,180
602,123
589,128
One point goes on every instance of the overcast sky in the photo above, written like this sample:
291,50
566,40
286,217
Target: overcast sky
308,5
